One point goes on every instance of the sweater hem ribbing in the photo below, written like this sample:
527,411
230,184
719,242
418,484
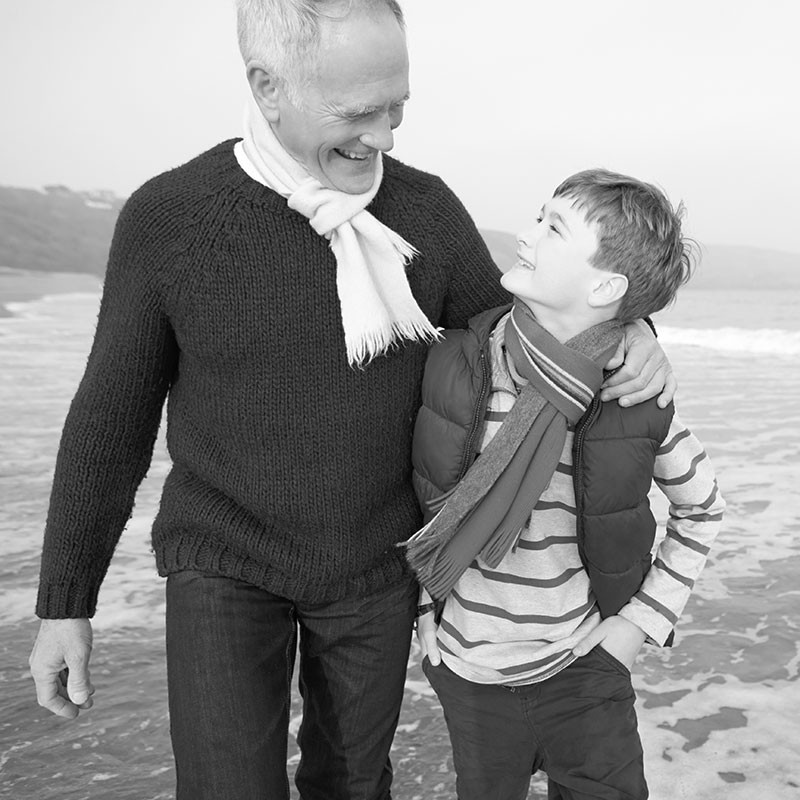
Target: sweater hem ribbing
217,559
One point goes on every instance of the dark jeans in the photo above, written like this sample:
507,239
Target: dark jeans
578,726
230,655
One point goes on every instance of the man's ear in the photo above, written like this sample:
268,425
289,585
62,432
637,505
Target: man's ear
265,91
608,289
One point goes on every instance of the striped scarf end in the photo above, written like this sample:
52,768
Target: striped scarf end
503,540
440,577
421,553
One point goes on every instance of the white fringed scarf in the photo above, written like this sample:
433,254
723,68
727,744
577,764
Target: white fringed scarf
376,301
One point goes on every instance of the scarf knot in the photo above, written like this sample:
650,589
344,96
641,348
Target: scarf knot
377,306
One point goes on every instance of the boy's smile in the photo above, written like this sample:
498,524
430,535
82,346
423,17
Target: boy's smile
554,275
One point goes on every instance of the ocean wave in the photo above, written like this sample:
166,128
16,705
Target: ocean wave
82,307
49,306
772,341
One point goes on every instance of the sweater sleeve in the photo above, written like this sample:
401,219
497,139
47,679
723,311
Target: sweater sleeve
112,424
685,475
474,277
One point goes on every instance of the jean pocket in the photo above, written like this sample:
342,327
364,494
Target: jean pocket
613,661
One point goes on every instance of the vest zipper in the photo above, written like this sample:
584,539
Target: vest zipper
480,410
577,467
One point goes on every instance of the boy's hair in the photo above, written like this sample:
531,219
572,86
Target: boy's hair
639,236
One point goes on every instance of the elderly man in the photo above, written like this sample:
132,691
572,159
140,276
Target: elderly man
280,293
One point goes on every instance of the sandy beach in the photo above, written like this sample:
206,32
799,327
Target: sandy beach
718,712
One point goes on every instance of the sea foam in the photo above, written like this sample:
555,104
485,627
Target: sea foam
772,341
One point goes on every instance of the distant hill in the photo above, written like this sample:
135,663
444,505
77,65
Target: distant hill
61,230
728,266
56,229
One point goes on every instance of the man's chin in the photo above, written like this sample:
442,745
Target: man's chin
352,181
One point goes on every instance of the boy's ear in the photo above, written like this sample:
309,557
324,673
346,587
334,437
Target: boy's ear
608,289
265,90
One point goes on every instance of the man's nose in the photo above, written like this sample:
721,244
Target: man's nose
380,135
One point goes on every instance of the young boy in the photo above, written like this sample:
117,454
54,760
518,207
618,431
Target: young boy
540,549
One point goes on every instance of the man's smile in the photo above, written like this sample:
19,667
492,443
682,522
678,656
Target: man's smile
351,155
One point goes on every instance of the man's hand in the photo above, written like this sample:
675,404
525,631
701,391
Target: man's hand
60,666
426,635
618,636
645,370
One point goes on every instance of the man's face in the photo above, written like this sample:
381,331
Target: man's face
553,274
349,113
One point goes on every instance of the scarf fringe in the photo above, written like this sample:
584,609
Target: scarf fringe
439,582
404,249
436,570
421,551
363,347
501,543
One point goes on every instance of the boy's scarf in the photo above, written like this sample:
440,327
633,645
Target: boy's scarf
493,502
376,302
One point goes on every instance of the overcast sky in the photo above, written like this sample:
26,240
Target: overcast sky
508,98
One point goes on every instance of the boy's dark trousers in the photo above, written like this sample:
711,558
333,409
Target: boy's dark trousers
579,726
230,655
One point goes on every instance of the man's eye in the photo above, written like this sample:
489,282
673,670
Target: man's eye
540,218
554,229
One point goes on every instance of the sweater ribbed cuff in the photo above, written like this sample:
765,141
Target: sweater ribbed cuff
66,601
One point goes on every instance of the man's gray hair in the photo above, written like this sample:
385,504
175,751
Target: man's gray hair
284,35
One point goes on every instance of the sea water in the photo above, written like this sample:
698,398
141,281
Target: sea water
719,713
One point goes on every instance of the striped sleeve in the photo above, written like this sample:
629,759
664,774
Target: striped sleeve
685,475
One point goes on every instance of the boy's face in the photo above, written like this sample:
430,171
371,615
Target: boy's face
553,274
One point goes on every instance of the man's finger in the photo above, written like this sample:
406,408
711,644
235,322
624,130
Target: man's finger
636,372
670,387
626,386
48,696
618,358
78,683
649,382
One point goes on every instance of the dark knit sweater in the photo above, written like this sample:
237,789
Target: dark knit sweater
291,470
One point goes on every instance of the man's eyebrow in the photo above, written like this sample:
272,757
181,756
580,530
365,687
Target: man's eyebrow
365,110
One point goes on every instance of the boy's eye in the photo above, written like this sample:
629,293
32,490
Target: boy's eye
540,218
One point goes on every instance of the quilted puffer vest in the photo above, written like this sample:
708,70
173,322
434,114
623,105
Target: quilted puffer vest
613,454
614,451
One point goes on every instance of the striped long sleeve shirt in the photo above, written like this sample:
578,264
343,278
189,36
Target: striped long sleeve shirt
518,623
